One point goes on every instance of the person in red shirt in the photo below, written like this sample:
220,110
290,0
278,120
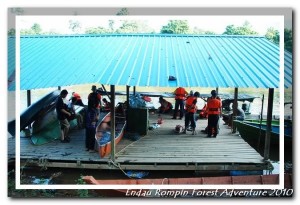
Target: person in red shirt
180,96
165,106
191,109
214,106
78,99
94,99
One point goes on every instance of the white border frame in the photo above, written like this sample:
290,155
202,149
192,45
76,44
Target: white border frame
152,187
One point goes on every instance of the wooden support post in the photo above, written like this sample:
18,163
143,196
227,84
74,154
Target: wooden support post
29,102
235,105
28,98
217,90
269,124
127,102
133,90
113,124
59,88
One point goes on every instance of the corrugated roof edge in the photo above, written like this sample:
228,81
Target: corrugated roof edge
141,34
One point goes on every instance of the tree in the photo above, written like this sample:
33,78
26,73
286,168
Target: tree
273,35
97,30
246,29
11,32
123,12
197,30
75,26
134,27
35,29
111,24
288,40
176,27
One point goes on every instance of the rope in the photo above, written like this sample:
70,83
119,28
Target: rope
118,166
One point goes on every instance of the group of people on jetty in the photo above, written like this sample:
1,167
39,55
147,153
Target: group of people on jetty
186,105
66,113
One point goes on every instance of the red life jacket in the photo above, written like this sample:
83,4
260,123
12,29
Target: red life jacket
180,93
190,106
214,106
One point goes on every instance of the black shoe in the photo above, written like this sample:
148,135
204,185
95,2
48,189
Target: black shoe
174,118
214,136
208,136
68,138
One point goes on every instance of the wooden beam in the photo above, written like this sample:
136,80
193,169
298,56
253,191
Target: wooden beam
29,101
235,105
113,124
133,90
28,98
269,124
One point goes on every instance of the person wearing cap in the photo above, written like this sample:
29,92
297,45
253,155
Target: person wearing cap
94,99
214,106
165,106
62,114
190,110
180,96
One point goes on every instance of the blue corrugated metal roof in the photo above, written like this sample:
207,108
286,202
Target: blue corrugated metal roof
149,59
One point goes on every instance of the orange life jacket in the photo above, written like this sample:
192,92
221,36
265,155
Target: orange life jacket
190,106
214,106
180,93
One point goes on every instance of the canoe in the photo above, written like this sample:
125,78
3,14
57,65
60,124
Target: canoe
34,111
237,180
251,132
47,128
103,134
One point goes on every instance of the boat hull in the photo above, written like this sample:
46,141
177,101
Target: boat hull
103,146
239,180
250,131
34,111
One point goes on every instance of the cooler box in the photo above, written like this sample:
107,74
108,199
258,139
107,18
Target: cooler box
138,120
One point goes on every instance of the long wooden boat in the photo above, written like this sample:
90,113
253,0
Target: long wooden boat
103,133
34,111
237,180
254,132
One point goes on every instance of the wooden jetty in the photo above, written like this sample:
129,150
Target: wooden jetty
160,149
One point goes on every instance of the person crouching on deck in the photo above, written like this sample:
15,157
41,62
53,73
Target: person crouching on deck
92,118
214,106
190,110
62,114
165,106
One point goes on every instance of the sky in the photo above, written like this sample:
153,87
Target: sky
216,24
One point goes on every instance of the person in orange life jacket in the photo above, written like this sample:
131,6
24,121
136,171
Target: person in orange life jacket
180,95
94,99
165,106
205,114
78,99
106,104
214,106
191,109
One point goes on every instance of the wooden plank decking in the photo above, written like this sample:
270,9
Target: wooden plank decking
162,148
